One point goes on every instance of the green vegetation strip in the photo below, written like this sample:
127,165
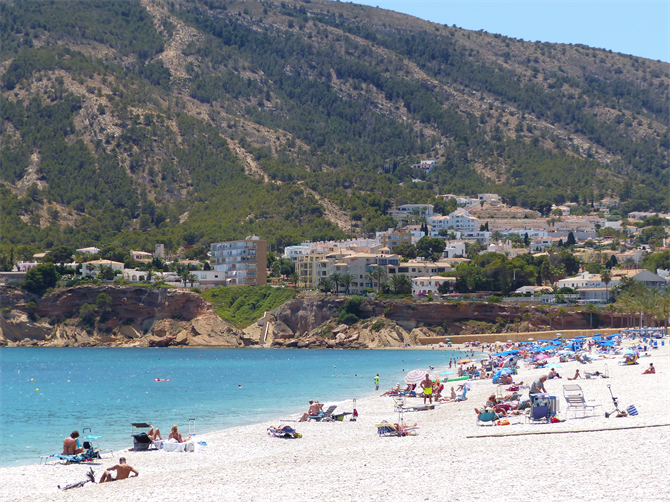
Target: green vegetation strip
242,305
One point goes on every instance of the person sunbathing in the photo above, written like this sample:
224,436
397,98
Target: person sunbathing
175,434
553,374
650,370
122,469
449,399
154,434
70,445
402,427
577,375
392,392
315,410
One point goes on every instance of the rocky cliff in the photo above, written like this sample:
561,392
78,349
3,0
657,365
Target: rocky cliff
135,316
392,323
145,317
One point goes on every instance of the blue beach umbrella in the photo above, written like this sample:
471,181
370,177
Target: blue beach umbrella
553,365
447,372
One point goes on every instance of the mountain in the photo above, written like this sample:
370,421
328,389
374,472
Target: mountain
187,122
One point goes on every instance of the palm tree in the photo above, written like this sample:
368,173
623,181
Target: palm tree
606,277
346,281
192,278
664,307
326,285
496,236
304,280
561,313
337,279
591,309
294,279
401,284
611,308
377,274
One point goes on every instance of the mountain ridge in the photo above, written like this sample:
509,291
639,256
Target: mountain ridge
260,95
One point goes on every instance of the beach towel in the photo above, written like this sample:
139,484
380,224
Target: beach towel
632,410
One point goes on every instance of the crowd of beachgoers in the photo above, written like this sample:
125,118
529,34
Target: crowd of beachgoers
577,419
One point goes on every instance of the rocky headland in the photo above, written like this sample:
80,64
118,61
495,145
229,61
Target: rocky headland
157,317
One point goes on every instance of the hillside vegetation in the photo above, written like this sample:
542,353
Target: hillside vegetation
188,122
242,306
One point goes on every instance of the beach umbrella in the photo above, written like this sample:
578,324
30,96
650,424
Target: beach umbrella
415,376
553,365
464,361
447,372
542,356
531,339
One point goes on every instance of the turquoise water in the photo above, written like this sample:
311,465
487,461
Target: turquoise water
107,389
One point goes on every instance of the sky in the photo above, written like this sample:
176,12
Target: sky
640,28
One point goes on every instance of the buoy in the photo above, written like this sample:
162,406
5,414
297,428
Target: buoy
31,379
68,381
37,390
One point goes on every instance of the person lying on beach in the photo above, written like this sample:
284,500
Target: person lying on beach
315,408
393,391
70,446
577,375
449,399
553,374
154,434
122,469
427,386
402,427
650,370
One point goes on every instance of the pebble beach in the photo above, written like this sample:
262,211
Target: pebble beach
586,459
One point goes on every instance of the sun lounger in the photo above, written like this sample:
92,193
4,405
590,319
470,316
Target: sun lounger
325,416
421,407
89,454
574,396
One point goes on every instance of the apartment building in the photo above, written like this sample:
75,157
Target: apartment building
460,220
395,237
243,263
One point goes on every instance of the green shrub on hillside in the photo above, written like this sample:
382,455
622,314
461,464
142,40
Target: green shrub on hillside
243,305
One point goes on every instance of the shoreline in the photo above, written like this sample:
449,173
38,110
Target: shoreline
349,461
290,413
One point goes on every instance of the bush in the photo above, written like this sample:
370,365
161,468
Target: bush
196,290
348,319
377,325
87,315
494,299
41,278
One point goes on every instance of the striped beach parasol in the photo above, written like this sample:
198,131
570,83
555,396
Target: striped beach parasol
415,376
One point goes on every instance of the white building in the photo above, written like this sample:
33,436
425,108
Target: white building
454,248
460,220
93,267
490,198
406,210
423,285
90,250
425,165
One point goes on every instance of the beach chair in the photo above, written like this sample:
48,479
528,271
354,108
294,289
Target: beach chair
85,456
574,396
386,429
325,416
487,416
538,414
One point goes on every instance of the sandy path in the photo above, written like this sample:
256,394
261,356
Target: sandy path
347,461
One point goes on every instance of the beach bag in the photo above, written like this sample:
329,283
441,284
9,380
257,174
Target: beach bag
632,410
502,422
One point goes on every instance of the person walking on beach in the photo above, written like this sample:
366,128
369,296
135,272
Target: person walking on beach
427,386
377,382
71,446
122,469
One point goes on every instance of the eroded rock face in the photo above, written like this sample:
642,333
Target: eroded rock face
137,316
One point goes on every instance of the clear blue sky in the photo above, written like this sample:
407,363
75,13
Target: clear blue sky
640,28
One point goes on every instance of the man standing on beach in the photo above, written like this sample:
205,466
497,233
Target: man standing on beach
377,382
122,469
70,446
427,385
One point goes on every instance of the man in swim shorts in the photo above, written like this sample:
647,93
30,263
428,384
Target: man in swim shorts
70,446
122,469
427,386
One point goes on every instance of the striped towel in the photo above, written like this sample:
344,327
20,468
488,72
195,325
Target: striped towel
631,410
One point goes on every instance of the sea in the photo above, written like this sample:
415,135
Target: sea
46,393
